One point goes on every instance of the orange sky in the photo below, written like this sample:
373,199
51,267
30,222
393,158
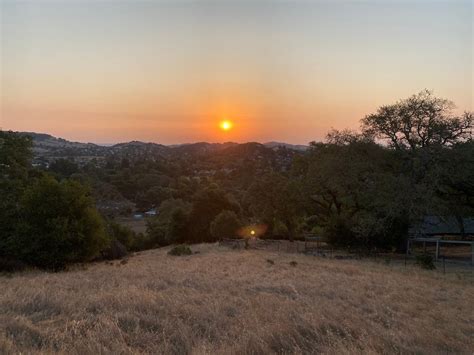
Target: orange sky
168,72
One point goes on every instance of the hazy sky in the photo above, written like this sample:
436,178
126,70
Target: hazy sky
168,71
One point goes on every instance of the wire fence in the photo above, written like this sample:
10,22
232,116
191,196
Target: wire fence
442,252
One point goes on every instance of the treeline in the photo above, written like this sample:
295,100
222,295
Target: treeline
49,223
359,189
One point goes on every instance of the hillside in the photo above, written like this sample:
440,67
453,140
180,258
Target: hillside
225,301
47,149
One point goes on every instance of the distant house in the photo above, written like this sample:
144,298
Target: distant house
447,233
444,227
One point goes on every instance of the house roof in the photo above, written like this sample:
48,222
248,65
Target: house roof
433,225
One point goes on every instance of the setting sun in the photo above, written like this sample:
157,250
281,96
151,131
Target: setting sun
226,125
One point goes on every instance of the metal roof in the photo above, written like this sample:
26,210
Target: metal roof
433,225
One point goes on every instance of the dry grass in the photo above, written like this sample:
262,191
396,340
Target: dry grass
224,301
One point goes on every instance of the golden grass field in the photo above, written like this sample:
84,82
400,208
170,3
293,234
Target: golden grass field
223,301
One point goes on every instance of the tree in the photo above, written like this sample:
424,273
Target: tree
178,226
275,197
453,181
15,157
59,225
207,204
280,230
225,225
357,194
347,136
64,168
171,224
15,154
422,120
123,234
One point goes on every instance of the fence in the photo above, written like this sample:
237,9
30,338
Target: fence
310,245
441,250
452,250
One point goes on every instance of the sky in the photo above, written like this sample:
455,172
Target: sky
169,71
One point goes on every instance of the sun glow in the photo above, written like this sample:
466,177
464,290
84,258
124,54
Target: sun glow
225,125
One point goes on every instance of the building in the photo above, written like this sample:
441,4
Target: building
444,227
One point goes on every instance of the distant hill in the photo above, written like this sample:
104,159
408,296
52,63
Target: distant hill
286,145
47,148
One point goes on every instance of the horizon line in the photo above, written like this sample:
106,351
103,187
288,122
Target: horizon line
110,144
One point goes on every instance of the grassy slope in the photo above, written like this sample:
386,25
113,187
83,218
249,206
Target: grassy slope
222,301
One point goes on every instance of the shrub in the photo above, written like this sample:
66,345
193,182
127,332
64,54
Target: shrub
338,232
225,225
142,242
280,230
59,225
425,261
171,225
11,265
116,250
121,233
177,226
180,250
207,205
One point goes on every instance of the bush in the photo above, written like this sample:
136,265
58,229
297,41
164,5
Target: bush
11,265
121,233
178,226
180,250
142,242
425,261
116,250
225,225
338,232
59,225
207,205
171,225
280,230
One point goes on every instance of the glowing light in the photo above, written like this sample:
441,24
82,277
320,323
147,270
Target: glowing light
226,125
252,231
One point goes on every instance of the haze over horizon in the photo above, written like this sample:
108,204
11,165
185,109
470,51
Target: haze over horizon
170,71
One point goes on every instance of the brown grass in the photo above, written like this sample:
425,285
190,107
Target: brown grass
224,301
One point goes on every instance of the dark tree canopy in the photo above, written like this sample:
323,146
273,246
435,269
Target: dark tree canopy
361,189
225,225
60,224
422,120
15,156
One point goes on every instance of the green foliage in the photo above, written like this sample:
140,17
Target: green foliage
63,168
338,232
171,224
420,121
180,250
115,250
142,242
225,225
425,261
358,194
351,189
274,197
9,264
207,204
15,156
59,225
178,226
122,234
280,230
